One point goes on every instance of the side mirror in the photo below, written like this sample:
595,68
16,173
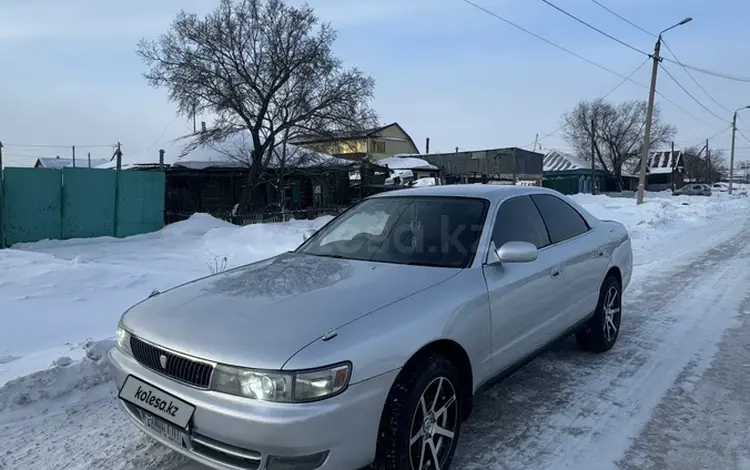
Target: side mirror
517,252
307,234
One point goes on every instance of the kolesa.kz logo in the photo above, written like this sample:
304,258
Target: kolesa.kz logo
155,402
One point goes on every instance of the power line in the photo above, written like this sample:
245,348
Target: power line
619,84
624,19
57,146
564,49
690,94
725,76
687,71
589,25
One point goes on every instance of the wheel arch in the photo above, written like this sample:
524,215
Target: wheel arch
615,272
460,359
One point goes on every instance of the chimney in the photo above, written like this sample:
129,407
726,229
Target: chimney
427,145
203,126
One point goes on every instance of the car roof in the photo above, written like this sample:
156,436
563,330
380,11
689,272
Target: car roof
493,192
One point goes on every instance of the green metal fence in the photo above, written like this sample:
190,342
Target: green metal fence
140,202
32,203
88,203
42,203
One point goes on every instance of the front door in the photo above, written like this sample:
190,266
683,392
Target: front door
525,298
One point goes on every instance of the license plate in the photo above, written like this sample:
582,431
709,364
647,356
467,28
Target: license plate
165,429
157,402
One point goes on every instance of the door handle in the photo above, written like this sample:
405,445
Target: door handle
555,272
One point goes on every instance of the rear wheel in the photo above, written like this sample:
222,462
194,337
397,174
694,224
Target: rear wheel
421,421
601,332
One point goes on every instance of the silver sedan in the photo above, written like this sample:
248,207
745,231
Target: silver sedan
367,344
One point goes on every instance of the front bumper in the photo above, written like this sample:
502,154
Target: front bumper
225,427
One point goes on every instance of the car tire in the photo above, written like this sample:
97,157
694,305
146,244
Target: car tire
422,417
601,332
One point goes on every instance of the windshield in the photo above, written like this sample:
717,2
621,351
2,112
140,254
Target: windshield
428,231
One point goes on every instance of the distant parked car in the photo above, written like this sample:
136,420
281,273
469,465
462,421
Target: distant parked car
368,343
720,187
693,190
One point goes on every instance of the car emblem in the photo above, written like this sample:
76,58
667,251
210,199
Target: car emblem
163,361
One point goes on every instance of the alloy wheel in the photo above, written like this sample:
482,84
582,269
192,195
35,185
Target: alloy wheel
611,313
433,426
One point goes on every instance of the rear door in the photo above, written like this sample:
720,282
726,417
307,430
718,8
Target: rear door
583,260
524,297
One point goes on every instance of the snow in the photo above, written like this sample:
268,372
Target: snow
61,301
58,294
424,182
405,163
227,153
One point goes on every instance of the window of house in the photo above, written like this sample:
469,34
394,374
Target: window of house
379,147
518,220
562,220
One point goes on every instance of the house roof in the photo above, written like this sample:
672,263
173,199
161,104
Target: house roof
366,133
228,153
664,162
405,162
555,160
59,163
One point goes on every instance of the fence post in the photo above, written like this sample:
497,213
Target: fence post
118,155
2,200
161,160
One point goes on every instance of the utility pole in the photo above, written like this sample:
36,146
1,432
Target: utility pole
731,157
671,174
536,139
118,168
708,161
649,115
650,112
593,157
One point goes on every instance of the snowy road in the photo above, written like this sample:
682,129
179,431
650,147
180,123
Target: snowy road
674,386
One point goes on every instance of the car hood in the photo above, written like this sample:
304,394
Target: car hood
261,314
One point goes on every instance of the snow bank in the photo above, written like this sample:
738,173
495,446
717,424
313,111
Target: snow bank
55,295
63,377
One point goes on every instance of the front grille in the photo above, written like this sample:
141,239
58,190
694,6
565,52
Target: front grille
197,374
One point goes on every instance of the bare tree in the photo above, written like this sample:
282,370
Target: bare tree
279,162
263,67
700,167
618,132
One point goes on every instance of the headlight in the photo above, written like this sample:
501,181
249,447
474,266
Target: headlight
282,387
123,340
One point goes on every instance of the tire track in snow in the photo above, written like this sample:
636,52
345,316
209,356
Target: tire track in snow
570,409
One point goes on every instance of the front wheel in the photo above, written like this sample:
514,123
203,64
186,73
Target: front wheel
421,421
601,332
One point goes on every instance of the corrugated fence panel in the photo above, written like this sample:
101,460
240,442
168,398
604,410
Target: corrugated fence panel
32,204
88,197
141,202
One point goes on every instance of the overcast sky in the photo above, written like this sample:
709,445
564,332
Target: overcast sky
69,73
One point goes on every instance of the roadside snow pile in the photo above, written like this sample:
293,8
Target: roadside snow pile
54,294
63,377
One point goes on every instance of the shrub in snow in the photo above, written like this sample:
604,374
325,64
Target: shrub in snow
217,265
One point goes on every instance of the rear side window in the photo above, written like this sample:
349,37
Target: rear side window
563,222
518,220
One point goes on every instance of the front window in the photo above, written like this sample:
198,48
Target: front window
426,231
